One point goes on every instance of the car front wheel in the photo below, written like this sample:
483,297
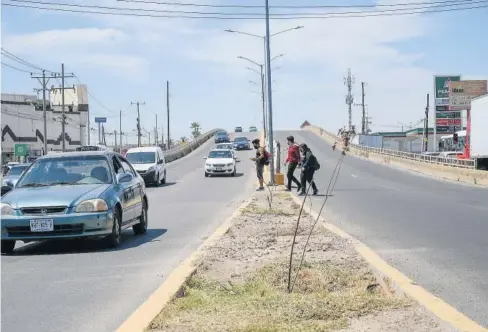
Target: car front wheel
8,246
141,227
114,239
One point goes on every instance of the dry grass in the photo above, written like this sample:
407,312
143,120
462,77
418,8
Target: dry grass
253,209
324,299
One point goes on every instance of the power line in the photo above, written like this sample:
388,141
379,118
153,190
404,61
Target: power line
287,6
19,60
18,69
325,16
448,4
96,99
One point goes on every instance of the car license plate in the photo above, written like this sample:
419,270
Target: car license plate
218,168
42,225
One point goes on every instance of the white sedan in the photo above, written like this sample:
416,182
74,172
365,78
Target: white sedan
220,161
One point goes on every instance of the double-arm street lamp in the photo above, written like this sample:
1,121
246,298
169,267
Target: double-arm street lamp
267,78
262,75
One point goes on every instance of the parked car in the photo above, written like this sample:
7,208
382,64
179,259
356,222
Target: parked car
253,129
149,162
14,173
238,129
241,143
220,162
222,137
75,195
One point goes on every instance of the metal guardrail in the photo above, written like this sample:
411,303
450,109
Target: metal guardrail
449,162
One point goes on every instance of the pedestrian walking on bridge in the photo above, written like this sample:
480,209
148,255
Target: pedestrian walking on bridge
292,160
310,164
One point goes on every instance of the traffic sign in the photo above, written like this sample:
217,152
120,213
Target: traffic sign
21,150
100,120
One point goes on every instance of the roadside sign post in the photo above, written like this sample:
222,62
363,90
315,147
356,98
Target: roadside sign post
21,150
100,120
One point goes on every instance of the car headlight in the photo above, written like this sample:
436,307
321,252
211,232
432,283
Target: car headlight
151,169
92,205
7,210
229,164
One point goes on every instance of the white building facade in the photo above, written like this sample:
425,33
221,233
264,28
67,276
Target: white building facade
22,122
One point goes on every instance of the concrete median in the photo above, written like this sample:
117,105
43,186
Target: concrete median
435,170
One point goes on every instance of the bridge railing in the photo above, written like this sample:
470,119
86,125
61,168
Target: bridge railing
450,162
183,149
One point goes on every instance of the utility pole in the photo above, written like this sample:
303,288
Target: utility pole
156,138
138,121
349,81
43,83
363,123
426,126
167,108
264,100
162,136
115,140
120,129
270,99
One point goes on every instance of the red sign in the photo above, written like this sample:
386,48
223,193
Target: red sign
448,122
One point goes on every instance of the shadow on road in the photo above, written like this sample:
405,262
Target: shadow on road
79,246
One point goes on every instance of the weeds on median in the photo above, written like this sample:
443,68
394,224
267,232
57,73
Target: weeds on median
324,299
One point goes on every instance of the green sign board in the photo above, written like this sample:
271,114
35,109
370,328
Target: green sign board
442,85
21,150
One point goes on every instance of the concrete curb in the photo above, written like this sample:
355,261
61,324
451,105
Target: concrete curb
474,177
435,305
140,319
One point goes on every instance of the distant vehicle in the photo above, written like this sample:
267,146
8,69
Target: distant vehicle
222,137
450,154
241,143
13,175
149,162
238,129
253,129
74,195
92,148
8,166
225,146
220,161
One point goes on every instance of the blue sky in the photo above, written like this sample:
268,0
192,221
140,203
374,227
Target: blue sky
124,59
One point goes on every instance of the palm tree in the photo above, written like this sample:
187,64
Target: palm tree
195,127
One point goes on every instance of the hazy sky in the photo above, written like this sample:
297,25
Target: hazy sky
124,59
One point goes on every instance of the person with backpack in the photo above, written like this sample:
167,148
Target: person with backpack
310,164
292,160
261,159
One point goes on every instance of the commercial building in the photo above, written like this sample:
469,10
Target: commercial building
23,122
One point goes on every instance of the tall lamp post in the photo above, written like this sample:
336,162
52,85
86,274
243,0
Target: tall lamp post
264,39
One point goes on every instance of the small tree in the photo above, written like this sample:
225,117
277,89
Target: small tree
183,139
195,127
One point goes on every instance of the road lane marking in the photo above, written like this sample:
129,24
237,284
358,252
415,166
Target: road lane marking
434,304
354,175
140,319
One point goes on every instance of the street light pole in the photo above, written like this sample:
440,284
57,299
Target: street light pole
270,99
264,101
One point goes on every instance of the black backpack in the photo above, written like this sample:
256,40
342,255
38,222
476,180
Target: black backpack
315,163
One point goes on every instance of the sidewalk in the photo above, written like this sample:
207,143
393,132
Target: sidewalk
241,283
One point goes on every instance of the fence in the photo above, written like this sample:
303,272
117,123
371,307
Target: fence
450,162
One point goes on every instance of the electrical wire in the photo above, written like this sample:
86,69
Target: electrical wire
456,3
19,60
18,69
285,6
296,16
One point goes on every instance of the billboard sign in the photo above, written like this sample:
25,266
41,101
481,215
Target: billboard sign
448,129
447,115
21,150
441,88
100,120
448,122
460,93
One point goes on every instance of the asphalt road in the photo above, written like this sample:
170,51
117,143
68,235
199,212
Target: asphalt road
79,286
435,232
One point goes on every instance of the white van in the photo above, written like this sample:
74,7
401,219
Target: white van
149,163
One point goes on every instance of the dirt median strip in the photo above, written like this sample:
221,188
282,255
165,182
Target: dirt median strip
241,282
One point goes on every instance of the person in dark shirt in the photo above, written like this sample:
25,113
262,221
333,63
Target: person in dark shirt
308,169
292,160
260,161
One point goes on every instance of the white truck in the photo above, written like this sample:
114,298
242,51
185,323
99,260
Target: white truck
479,131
